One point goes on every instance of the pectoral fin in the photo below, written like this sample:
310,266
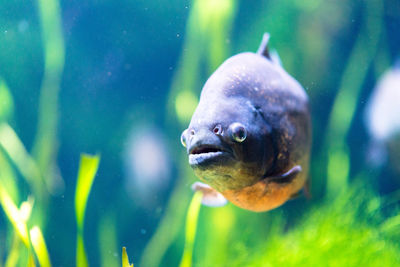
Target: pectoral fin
288,176
211,197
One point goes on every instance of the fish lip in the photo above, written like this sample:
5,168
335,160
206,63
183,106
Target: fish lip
207,154
206,148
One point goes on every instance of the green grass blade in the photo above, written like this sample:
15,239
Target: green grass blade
7,103
26,166
31,261
191,226
15,149
14,216
45,144
169,226
13,254
8,178
125,259
207,29
87,170
39,246
108,243
348,96
81,258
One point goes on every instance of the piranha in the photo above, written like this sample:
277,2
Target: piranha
250,135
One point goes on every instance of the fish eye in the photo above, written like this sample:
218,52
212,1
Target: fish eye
217,129
183,138
238,132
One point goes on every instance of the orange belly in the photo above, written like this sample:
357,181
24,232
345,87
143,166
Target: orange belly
264,195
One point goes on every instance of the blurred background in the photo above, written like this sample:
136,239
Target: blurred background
122,78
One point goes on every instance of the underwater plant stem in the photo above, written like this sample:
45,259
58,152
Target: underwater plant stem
14,216
205,45
81,259
108,240
125,258
39,246
346,101
12,257
88,167
44,148
169,226
191,226
24,163
18,218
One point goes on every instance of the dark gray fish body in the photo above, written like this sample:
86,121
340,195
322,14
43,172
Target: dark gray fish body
249,137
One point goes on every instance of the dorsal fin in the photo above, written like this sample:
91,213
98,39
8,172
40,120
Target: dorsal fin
263,49
275,58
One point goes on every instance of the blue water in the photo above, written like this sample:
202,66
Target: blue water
116,98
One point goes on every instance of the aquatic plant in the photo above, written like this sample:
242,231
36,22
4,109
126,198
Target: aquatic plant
87,171
45,145
348,231
15,151
207,29
125,259
191,227
336,49
31,239
343,110
108,240
14,155
39,246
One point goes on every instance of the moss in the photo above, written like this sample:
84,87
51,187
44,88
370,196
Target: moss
347,231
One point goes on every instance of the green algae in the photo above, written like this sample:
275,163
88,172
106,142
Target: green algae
349,230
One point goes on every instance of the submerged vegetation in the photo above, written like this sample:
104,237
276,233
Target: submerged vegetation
87,171
346,232
349,231
337,50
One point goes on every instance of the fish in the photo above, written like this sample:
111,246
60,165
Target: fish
249,137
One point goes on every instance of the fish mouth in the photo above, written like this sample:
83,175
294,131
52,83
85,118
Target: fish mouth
204,149
207,154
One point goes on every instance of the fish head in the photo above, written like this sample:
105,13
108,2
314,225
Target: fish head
229,146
